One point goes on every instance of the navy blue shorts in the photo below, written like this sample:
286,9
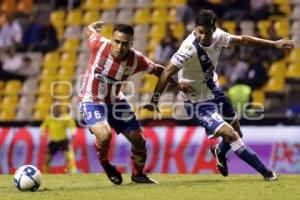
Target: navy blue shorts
119,115
211,114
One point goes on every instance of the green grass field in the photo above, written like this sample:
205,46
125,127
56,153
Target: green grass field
175,187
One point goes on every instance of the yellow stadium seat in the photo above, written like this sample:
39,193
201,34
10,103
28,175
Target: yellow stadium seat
258,97
51,59
178,30
68,59
294,55
109,4
48,73
277,69
9,101
263,28
281,1
57,18
177,3
149,83
2,86
159,16
160,3
70,45
230,26
66,73
215,1
8,115
293,71
43,101
151,55
8,6
90,16
166,112
153,43
40,114
141,16
92,5
275,85
172,15
60,31
285,9
146,114
282,28
63,90
13,87
107,30
157,31
44,87
74,17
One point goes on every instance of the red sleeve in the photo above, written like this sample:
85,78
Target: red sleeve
144,64
94,41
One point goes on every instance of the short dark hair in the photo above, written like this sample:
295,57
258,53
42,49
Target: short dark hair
206,18
124,28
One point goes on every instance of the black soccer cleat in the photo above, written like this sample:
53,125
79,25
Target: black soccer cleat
112,173
221,161
142,179
271,176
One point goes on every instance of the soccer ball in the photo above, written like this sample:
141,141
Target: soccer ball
28,177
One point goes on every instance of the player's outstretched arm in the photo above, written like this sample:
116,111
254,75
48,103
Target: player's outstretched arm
247,40
94,28
160,86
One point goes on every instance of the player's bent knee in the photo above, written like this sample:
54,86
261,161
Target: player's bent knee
137,139
102,131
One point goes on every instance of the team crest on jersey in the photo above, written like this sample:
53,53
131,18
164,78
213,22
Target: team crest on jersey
127,70
188,47
217,47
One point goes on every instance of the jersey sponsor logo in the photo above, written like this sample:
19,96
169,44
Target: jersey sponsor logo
127,70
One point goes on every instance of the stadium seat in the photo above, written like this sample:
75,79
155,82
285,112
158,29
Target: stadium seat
74,17
66,73
263,27
63,90
160,3
172,16
109,4
277,69
44,87
43,101
229,26
2,86
48,73
149,83
51,60
166,112
282,28
177,3
60,31
109,16
9,101
293,71
141,16
68,59
275,85
92,5
178,30
143,4
153,43
8,6
125,16
40,114
294,55
106,30
258,97
280,2
285,9
70,45
125,4
7,115
157,31
145,114
12,87
90,16
159,16
25,6
72,32
57,18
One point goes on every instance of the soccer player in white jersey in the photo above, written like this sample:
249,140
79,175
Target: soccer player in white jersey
205,101
102,102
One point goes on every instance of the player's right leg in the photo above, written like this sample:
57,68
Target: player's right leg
95,116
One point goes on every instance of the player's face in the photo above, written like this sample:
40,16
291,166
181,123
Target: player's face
120,44
204,34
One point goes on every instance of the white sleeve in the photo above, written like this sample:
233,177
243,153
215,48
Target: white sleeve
183,55
225,38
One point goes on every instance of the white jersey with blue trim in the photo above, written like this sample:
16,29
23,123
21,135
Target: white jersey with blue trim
203,79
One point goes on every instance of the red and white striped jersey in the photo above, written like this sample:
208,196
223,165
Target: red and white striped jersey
101,62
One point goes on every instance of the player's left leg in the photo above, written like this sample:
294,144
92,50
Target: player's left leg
138,155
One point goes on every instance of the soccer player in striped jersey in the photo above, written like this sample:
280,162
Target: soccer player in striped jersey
102,103
205,101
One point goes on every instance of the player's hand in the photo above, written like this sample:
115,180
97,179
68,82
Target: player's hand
186,88
151,107
284,44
